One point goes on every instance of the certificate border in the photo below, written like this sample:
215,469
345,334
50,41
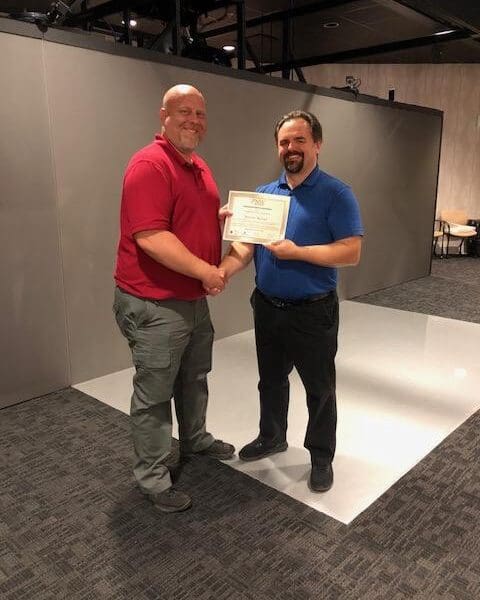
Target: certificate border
233,194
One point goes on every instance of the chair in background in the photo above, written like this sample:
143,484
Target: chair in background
456,228
438,234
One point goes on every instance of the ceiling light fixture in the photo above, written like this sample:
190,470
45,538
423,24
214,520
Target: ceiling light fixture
132,22
229,48
331,25
445,32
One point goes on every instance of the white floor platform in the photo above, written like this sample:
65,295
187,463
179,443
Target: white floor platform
405,381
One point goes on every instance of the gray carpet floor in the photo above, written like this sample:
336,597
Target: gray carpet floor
73,525
451,291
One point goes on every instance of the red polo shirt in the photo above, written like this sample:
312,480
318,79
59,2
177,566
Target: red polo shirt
161,190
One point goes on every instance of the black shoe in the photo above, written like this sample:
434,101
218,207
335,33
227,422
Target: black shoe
321,477
171,500
260,448
219,450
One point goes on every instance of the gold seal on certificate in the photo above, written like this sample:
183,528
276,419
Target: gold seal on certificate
257,218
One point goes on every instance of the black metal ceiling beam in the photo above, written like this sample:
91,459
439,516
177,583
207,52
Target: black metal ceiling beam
280,16
432,11
118,32
241,34
369,51
300,75
208,5
287,54
177,43
126,26
99,12
112,7
253,57
286,43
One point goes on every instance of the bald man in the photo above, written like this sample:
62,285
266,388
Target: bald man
169,249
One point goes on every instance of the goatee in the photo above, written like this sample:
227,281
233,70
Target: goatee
294,167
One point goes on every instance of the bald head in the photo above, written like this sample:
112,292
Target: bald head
183,117
177,92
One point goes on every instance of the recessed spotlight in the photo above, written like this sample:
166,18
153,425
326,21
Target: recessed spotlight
132,22
331,25
229,48
445,32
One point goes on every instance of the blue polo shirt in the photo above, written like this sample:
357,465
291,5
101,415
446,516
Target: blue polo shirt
322,210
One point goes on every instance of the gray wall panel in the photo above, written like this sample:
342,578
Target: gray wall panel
107,107
390,157
104,107
32,311
103,111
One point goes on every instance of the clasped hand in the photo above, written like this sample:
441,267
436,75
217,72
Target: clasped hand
214,281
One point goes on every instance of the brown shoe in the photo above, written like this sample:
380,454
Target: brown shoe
219,450
171,500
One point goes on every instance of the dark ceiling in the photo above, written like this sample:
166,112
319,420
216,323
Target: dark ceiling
282,34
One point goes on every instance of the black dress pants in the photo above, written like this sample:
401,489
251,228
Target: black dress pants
305,337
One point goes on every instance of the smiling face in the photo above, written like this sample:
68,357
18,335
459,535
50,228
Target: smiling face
296,148
184,119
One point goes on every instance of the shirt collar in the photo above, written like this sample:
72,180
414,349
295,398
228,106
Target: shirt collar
309,181
167,145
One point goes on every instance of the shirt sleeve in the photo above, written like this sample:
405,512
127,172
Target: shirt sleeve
147,198
344,217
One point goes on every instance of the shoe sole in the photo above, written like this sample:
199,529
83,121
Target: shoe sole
319,490
276,450
225,457
167,509
172,509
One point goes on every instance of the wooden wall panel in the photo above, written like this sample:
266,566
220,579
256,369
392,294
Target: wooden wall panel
453,88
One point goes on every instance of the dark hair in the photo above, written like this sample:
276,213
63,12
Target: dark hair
310,118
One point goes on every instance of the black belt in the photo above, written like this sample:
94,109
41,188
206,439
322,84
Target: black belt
281,303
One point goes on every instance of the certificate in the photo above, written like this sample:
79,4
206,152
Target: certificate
257,218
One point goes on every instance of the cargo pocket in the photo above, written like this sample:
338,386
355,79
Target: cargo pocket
151,351
154,377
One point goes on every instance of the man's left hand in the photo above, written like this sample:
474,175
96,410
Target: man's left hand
223,213
284,249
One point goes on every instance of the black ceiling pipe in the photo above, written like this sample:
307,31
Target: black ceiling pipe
241,34
369,51
177,44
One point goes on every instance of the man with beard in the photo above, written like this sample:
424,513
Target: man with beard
295,303
167,257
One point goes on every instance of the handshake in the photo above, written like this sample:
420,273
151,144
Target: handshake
214,280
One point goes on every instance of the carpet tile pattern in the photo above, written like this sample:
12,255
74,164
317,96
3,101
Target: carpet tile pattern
73,526
452,291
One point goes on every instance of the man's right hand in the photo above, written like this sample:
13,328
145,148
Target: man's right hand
213,280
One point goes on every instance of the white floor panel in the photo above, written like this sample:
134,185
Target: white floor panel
405,381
